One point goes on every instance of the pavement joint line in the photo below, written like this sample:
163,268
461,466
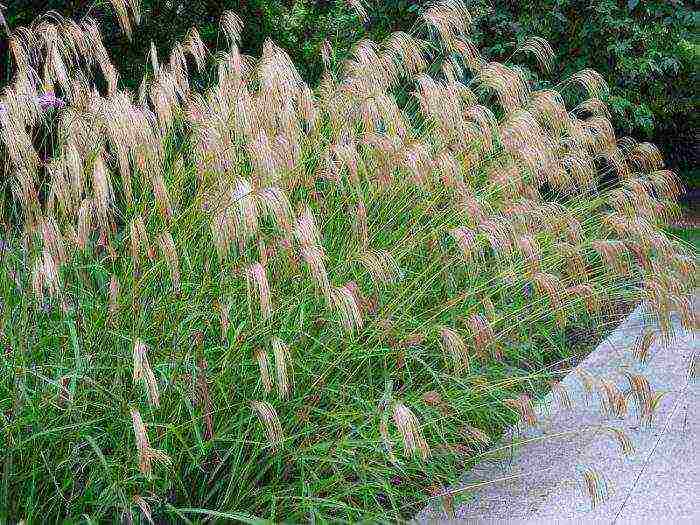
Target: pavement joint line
663,433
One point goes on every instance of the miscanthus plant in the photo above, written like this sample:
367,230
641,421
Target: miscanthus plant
246,297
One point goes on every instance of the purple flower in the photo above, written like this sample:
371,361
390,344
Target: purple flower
49,100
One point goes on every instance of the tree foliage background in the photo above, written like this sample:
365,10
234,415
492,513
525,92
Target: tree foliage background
647,50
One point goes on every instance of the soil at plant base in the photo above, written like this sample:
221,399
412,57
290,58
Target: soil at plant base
583,339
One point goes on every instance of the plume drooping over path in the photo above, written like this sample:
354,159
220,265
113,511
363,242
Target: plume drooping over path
635,471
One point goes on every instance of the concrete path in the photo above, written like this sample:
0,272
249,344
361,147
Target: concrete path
536,475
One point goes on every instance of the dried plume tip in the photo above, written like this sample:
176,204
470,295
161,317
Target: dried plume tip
142,370
259,288
270,422
346,302
283,367
483,335
146,454
143,506
612,399
523,405
264,367
596,486
454,345
626,444
409,427
646,399
643,344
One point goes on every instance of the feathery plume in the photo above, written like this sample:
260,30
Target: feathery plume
224,320
146,454
523,405
231,25
283,366
142,370
499,235
455,346
561,394
450,18
52,240
482,333
530,250
647,400
642,345
413,441
623,440
113,296
196,48
592,82
588,382
326,54
552,287
306,232
647,156
614,255
466,242
153,55
102,189
138,239
540,49
275,202
144,507
596,486
45,276
589,296
408,51
346,303
381,266
360,225
120,7
313,257
258,287
549,108
270,422
508,83
264,366
160,192
359,9
612,400
575,265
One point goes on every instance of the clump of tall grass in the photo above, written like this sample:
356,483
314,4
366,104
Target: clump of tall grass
259,298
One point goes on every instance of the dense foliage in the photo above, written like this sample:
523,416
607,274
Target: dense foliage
646,51
253,299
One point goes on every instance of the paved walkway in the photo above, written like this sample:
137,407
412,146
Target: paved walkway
541,481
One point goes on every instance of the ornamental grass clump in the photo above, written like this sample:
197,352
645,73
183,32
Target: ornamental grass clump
250,297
